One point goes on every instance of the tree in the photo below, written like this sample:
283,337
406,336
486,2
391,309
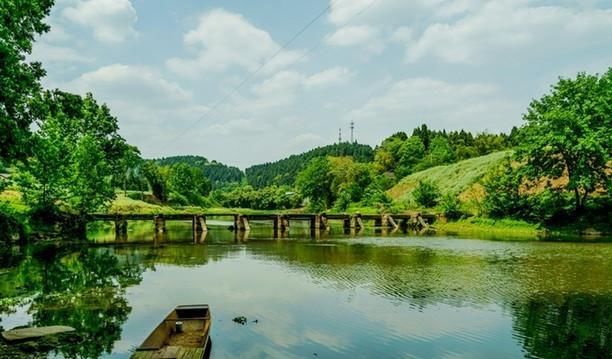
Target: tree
503,197
91,177
440,152
75,153
426,194
156,179
411,154
315,183
20,22
189,182
568,134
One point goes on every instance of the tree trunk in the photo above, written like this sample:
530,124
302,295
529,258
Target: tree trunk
580,199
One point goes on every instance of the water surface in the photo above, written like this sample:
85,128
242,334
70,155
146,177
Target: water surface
363,296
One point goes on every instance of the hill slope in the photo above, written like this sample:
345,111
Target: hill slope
284,172
218,173
454,178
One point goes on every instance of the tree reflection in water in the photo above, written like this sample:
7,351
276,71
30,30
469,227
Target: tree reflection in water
569,318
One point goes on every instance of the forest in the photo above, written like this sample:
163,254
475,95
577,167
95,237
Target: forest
61,155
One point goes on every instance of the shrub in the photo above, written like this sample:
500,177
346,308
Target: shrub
426,193
11,223
451,206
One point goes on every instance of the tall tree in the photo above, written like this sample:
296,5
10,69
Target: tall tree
76,152
315,183
569,132
20,22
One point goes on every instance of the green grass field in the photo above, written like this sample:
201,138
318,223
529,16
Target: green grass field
454,178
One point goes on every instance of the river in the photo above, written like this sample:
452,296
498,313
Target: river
340,296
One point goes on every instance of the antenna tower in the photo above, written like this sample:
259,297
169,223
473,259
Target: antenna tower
340,135
352,131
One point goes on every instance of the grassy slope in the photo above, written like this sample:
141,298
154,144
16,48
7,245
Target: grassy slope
455,178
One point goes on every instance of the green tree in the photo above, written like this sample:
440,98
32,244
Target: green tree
451,206
90,181
426,194
20,22
503,197
157,181
440,152
568,133
315,183
411,153
75,153
189,182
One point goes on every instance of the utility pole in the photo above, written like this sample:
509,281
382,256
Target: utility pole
352,131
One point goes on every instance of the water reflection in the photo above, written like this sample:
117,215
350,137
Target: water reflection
358,297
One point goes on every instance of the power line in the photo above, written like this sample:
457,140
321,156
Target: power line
236,89
264,64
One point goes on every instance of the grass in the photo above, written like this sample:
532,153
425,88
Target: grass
502,228
454,178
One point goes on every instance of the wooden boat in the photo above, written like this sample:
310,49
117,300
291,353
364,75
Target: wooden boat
184,333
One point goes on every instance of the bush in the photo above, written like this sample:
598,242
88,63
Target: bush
503,197
343,201
451,206
426,194
11,223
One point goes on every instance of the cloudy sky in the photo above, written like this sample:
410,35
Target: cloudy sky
186,76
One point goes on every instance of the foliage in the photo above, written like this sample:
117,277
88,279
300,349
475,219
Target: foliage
75,153
411,153
217,173
503,197
568,133
11,222
455,178
157,181
426,194
451,206
19,80
427,148
285,171
90,180
315,183
188,182
268,198
440,152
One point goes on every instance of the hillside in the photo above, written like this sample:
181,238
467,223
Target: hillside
455,178
218,173
285,171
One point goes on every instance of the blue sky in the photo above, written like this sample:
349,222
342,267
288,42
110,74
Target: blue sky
388,65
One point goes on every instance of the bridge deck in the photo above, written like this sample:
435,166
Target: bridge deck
253,217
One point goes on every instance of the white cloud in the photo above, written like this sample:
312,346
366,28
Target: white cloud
353,35
513,31
223,39
412,101
47,53
112,21
332,76
402,34
138,83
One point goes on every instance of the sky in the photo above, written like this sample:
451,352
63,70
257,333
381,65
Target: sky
213,78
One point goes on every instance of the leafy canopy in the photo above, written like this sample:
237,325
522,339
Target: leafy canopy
569,132
20,22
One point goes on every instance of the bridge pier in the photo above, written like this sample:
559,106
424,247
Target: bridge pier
199,224
121,227
243,223
356,222
160,224
325,222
